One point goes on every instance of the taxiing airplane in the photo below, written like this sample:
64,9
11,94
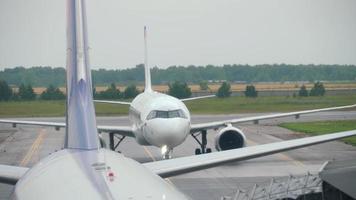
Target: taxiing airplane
84,170
164,121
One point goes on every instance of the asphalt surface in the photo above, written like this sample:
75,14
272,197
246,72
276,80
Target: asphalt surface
26,145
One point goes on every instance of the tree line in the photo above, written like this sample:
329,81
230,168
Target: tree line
26,92
44,76
112,92
177,89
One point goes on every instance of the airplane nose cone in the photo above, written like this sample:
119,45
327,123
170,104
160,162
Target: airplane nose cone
171,132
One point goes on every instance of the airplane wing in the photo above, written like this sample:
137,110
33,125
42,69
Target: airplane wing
113,102
122,130
201,97
11,174
129,103
218,124
172,167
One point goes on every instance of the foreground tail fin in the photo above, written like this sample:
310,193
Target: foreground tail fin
81,131
147,68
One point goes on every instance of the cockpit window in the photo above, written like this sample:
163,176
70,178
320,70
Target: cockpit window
166,114
173,114
162,114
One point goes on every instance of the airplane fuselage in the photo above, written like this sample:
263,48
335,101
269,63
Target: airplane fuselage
159,119
95,174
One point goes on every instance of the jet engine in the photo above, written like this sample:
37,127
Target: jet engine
229,138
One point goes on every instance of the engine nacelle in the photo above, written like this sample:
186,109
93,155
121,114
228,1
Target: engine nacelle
229,138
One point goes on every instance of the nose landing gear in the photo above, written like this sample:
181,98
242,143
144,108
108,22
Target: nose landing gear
203,143
166,152
168,155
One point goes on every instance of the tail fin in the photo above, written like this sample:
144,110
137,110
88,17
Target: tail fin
147,68
81,130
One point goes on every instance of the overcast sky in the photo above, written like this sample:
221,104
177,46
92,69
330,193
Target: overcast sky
183,32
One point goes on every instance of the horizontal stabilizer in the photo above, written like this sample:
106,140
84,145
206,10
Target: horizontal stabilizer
11,174
195,98
113,102
121,130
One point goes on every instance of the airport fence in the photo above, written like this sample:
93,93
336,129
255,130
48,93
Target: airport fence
279,188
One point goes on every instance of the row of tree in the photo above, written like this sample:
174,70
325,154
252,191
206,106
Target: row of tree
317,90
112,92
181,90
26,92
176,89
44,76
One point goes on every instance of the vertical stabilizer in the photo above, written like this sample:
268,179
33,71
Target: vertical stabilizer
147,68
81,131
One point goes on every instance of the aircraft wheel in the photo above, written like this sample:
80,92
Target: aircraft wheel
197,151
208,150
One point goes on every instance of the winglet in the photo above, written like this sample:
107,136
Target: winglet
147,68
81,131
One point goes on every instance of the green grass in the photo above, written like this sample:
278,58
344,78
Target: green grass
324,127
266,104
52,109
31,108
202,106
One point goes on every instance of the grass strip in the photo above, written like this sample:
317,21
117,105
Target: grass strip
323,127
231,105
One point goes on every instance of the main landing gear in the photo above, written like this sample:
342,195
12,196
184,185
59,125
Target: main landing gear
112,144
203,143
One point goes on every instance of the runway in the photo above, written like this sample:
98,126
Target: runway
26,145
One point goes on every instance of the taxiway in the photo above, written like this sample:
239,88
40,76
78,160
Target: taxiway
26,145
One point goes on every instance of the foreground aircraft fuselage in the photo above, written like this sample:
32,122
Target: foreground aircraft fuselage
96,174
159,119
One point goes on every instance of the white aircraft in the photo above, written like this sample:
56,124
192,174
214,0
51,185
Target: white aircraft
164,121
84,170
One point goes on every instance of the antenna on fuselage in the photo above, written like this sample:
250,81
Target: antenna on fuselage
147,68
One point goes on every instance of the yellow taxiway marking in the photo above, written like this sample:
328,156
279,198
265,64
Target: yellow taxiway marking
149,153
154,159
282,156
169,181
34,148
